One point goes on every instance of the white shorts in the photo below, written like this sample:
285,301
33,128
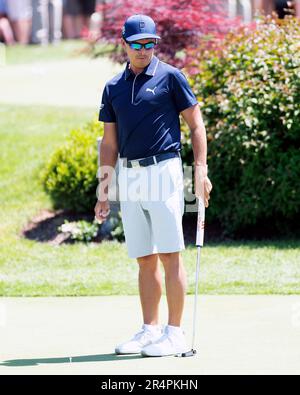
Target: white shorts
19,9
152,206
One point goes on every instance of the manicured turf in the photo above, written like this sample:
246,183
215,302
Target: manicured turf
20,54
28,135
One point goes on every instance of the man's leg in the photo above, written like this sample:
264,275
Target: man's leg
6,31
175,278
22,30
150,287
173,341
56,20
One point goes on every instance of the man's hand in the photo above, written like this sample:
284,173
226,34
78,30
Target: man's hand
108,157
202,183
102,210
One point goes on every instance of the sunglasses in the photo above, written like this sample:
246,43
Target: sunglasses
139,46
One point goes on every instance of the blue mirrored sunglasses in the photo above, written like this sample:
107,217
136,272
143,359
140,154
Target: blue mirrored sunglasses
139,46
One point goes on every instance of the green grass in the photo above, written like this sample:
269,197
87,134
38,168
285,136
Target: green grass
33,269
28,135
20,54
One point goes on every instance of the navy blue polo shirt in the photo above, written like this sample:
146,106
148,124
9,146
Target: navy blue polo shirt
146,107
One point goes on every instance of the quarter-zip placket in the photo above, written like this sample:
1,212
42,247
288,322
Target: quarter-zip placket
132,92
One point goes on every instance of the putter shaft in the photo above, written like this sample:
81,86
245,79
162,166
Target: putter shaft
196,295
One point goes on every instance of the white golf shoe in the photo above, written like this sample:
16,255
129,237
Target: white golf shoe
171,343
147,335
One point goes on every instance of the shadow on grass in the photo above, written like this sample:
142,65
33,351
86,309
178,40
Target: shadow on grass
280,244
44,228
82,358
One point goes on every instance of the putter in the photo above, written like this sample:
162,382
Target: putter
199,244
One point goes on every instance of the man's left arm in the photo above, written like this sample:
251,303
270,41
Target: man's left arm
202,184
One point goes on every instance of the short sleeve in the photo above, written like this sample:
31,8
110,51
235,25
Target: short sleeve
182,92
106,113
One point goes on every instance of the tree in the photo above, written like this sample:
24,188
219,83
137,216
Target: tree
180,23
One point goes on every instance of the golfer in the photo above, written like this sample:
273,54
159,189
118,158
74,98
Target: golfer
140,109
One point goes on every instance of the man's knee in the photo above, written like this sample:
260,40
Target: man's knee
170,257
148,262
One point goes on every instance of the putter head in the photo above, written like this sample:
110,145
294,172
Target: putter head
190,353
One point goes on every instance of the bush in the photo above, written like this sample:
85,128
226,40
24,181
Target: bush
70,174
248,87
80,230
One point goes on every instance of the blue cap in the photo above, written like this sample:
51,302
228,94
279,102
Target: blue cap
138,27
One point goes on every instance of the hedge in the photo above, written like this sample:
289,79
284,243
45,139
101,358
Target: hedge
248,87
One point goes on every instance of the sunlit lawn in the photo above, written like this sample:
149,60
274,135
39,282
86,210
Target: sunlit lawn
28,136
36,53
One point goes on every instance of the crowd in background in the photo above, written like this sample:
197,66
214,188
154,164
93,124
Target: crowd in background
47,21
43,21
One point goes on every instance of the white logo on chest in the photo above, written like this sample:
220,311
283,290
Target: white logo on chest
151,90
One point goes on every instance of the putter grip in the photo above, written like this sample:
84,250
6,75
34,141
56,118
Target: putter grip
200,223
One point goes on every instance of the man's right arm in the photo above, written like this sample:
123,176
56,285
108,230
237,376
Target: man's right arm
108,159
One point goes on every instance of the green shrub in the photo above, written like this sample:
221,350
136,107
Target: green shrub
70,174
248,88
80,230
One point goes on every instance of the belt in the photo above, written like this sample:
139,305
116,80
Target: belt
150,160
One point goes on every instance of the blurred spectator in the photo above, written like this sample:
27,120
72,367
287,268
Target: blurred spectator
20,13
297,8
46,21
77,15
281,8
6,33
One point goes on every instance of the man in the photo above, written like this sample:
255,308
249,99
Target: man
6,33
140,110
20,16
77,14
282,8
46,21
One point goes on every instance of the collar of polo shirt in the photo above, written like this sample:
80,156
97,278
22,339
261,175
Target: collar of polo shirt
148,70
